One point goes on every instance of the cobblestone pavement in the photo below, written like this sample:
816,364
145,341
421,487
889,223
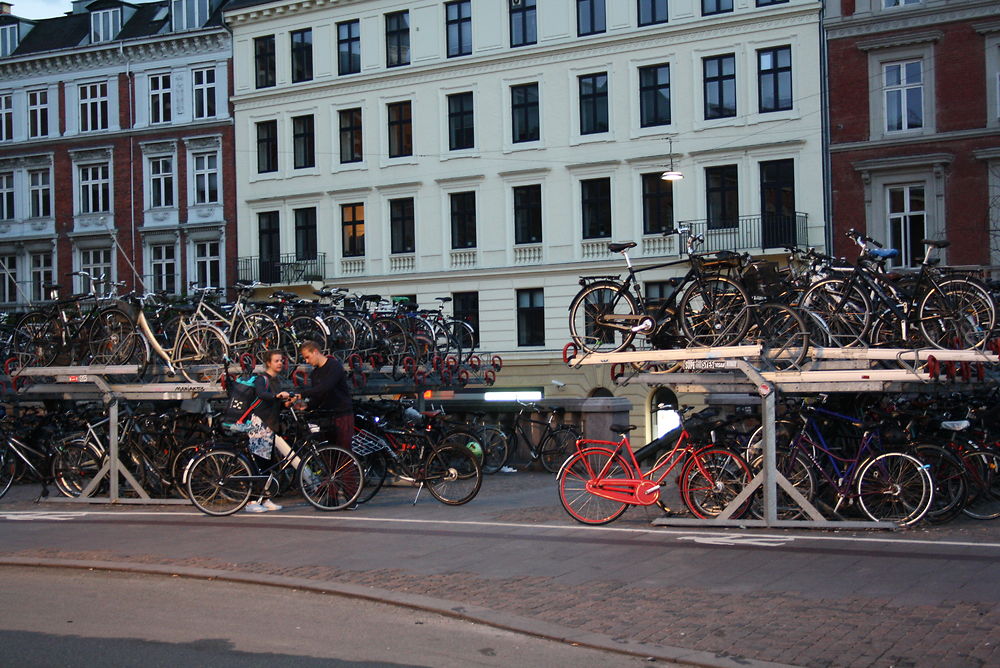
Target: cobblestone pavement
924,597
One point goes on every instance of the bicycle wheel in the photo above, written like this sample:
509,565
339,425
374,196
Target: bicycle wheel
112,338
714,312
200,345
958,314
582,471
983,470
463,335
496,448
39,339
783,335
844,311
300,329
75,465
219,483
894,487
340,342
452,475
798,471
601,318
255,333
391,340
8,467
711,479
464,439
181,462
331,478
950,482
375,470
556,447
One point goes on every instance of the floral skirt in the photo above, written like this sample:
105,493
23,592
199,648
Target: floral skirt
261,438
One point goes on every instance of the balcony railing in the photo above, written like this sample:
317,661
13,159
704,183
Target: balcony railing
285,270
761,232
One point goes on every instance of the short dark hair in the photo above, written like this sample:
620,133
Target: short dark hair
269,355
308,346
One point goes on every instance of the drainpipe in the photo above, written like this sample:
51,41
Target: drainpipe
825,102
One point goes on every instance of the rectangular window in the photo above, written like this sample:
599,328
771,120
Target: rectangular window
531,317
720,86
264,61
401,224
709,7
349,47
302,55
208,263
524,113
528,214
463,220
267,147
652,11
105,24
523,28
888,4
161,182
97,263
206,178
657,204
93,107
163,265
458,24
8,279
159,98
188,14
777,203
7,196
590,17
203,81
8,39
95,188
400,129
303,142
41,275
461,123
397,39
465,308
353,221
305,234
774,74
39,193
6,117
722,193
767,3
593,103
595,204
38,113
654,95
903,85
269,246
658,292
907,209
350,136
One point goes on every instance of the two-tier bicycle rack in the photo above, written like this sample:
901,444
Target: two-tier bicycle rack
731,370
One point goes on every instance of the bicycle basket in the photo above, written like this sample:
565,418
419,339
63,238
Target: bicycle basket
716,262
761,277
365,443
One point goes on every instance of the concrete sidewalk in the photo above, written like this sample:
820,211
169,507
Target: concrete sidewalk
512,558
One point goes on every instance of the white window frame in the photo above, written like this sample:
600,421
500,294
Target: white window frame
896,4
188,14
41,272
9,39
902,90
6,117
88,261
204,91
8,207
38,113
160,279
86,180
40,193
202,262
878,58
199,173
903,260
160,98
105,24
8,278
993,79
98,102
160,183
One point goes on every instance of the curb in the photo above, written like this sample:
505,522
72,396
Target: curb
470,613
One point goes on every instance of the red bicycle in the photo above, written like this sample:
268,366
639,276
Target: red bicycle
599,483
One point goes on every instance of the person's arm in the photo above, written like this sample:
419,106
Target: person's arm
263,388
325,384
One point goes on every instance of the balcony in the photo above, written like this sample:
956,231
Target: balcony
747,233
286,270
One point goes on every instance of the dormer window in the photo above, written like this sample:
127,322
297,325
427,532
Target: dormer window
105,24
188,14
8,39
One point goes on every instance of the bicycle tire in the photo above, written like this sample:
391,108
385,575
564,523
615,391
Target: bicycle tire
255,333
951,486
714,312
894,487
466,439
8,467
219,483
340,342
496,448
74,465
39,341
200,345
331,478
179,466
983,467
556,448
957,314
603,301
711,479
300,329
452,475
376,468
799,472
582,468
845,311
783,335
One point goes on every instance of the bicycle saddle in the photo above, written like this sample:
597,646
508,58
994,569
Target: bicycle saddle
618,248
955,425
622,428
936,244
884,252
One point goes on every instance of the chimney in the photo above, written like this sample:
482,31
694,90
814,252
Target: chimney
5,7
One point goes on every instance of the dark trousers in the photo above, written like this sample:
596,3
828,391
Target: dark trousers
339,429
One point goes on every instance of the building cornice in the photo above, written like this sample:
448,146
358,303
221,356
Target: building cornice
915,139
893,41
914,17
735,148
902,162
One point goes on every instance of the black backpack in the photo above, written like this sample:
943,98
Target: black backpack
243,400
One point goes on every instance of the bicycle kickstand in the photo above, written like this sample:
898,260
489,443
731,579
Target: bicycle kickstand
419,487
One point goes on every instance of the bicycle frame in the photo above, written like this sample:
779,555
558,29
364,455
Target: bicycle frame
522,431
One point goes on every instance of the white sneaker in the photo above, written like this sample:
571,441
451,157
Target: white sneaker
255,508
270,505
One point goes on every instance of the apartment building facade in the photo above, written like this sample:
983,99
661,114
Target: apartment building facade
489,150
915,125
116,148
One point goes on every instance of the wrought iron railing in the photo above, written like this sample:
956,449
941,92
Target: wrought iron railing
760,232
287,268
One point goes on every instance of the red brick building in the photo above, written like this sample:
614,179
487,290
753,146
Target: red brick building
116,148
914,125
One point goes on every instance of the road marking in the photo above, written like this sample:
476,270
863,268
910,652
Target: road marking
737,540
38,515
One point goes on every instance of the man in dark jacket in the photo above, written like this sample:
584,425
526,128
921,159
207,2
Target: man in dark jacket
329,393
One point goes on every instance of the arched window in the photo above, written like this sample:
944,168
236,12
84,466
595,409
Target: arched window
662,411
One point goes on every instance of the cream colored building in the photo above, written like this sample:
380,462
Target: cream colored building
495,147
